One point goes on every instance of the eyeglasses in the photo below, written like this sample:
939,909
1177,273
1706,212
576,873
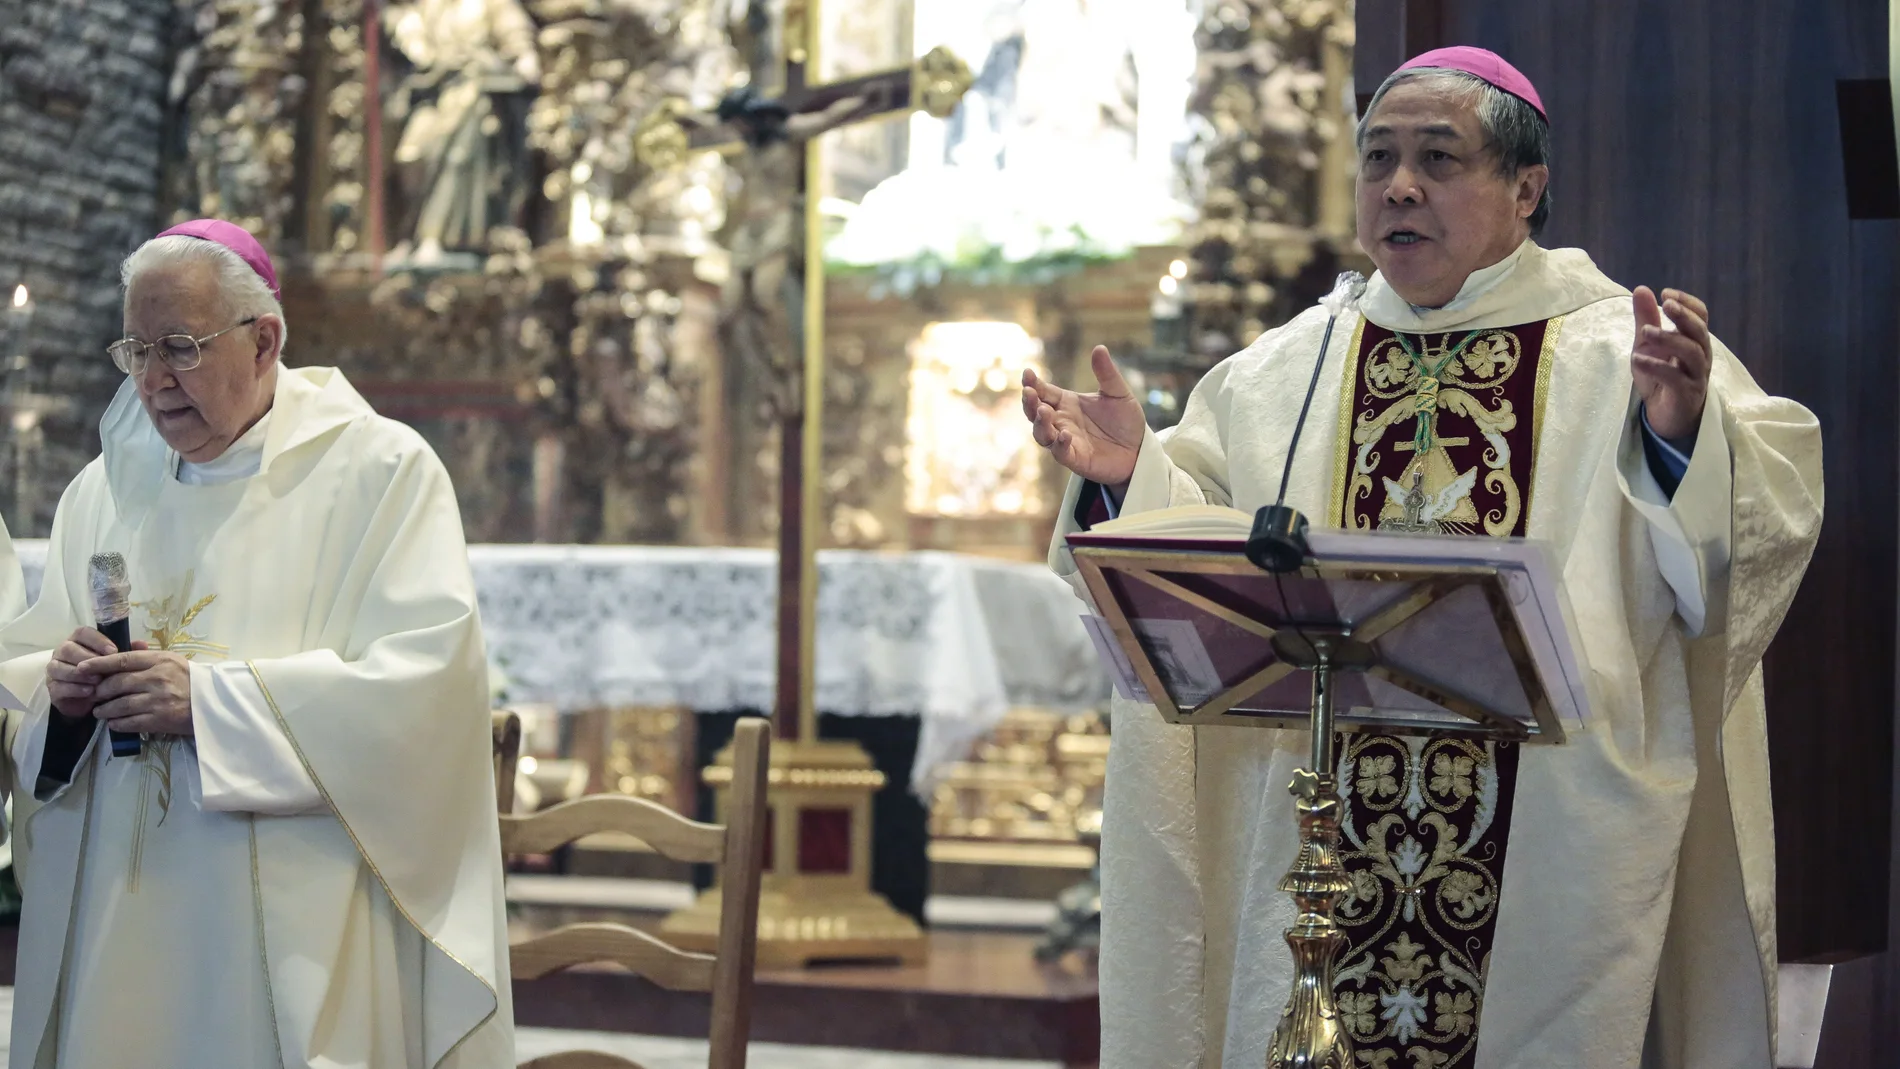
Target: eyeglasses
180,352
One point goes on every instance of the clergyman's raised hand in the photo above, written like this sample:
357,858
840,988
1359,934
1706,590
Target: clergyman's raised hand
1671,367
1095,435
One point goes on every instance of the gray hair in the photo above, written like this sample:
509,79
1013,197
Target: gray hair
1511,126
243,294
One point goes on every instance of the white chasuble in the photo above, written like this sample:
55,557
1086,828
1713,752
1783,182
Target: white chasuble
314,879
1641,853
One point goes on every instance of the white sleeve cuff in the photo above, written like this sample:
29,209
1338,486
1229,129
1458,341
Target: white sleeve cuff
1152,485
246,764
1689,530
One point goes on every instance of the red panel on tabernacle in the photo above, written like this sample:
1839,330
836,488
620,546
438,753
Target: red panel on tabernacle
824,841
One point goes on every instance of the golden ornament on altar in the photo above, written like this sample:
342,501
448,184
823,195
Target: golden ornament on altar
660,142
815,897
938,83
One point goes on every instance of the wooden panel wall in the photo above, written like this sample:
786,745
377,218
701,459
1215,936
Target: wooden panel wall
1697,144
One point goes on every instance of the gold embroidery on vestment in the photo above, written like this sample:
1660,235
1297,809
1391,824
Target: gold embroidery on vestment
1418,811
1547,361
173,635
167,633
1343,451
1419,383
263,941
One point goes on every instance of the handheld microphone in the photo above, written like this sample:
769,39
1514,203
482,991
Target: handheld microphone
1277,543
112,609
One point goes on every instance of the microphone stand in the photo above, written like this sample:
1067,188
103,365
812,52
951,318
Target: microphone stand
1310,1034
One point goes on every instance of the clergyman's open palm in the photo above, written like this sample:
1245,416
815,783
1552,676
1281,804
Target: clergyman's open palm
1671,366
1095,435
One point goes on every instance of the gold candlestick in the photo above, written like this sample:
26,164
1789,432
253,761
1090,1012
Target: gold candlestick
1310,1035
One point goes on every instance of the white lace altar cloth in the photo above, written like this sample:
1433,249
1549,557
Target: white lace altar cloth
957,640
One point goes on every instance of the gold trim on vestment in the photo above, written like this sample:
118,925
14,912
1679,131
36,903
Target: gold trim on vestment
263,946
1349,394
374,871
55,1007
1546,361
136,861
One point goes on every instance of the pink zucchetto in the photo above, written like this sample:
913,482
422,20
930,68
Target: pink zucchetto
1486,65
235,238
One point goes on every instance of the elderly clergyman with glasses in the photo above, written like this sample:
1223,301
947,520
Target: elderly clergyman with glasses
299,865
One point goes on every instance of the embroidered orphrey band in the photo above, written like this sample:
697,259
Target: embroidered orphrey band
1437,434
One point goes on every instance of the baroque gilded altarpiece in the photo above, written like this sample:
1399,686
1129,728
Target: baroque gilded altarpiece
560,366
570,370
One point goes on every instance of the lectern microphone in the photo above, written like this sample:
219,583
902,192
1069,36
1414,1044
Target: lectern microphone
1278,541
112,609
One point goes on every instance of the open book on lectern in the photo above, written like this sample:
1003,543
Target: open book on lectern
1434,633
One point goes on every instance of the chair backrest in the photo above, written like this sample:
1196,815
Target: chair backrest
738,847
507,757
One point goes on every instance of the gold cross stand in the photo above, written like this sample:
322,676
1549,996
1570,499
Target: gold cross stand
816,901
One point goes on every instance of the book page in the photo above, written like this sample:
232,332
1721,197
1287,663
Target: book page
1185,521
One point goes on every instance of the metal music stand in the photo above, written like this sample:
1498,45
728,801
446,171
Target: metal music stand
1391,633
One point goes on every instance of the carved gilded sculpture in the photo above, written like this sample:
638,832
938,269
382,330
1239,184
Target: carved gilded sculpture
622,395
234,99
462,161
1272,182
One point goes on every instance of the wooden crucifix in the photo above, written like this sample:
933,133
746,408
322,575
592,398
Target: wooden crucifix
818,903
773,140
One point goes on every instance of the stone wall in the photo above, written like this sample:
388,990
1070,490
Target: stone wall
82,120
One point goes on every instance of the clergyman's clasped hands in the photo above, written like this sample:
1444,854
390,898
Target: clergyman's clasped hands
142,691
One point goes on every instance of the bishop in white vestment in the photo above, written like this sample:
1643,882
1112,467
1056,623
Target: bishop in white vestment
1512,907
301,867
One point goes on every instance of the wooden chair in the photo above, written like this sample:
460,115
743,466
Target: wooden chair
507,757
738,847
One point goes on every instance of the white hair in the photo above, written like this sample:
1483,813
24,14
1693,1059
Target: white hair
242,292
